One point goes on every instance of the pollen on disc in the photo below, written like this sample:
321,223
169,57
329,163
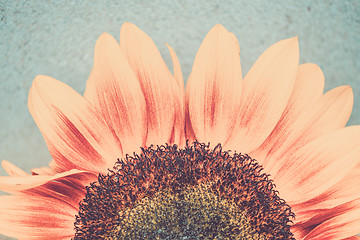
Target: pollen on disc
196,192
190,213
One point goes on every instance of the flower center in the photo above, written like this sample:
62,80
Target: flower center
191,213
190,193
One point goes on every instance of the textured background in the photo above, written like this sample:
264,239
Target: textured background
57,38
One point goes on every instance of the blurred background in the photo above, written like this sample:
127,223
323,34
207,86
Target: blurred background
57,38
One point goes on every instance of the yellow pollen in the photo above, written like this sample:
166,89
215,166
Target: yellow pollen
191,213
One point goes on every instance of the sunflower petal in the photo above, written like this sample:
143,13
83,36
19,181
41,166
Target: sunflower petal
319,165
56,167
309,86
16,184
178,135
311,124
344,191
77,137
43,171
177,69
352,238
36,217
213,90
115,92
344,222
69,188
266,91
52,169
13,170
158,85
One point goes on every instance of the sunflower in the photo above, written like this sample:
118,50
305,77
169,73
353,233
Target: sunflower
137,157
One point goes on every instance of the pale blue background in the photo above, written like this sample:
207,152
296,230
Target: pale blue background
57,38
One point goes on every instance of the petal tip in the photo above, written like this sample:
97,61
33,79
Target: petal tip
103,43
293,40
219,29
292,46
347,89
127,26
38,78
4,163
41,79
314,65
41,84
104,35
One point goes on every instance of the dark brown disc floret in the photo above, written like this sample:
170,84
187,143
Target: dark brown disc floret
190,193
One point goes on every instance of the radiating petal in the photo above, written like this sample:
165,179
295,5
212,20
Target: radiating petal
56,167
344,191
70,188
43,171
77,137
337,223
21,183
13,170
157,83
178,135
352,238
213,90
309,86
36,217
329,113
43,208
52,169
266,91
115,92
319,165
177,69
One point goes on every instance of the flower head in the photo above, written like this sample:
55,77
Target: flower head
138,157
184,193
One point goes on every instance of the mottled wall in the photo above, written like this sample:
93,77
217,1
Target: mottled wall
57,38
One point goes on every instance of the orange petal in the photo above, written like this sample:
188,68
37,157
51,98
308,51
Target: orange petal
22,183
115,92
13,170
213,90
77,137
177,69
266,91
329,113
36,217
69,188
352,238
319,165
344,222
56,167
52,169
344,191
309,86
158,85
178,135
43,171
